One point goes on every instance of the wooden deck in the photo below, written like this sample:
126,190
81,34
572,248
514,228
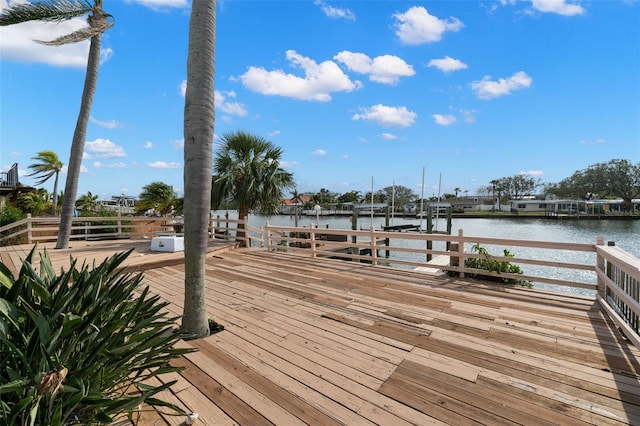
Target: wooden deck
323,342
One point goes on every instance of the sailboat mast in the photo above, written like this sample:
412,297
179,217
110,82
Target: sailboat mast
422,199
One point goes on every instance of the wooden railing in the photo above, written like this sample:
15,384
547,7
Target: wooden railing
619,288
41,229
414,250
615,274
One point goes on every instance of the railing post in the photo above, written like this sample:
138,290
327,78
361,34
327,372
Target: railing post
266,236
119,223
29,229
374,245
461,253
312,238
245,223
215,224
600,264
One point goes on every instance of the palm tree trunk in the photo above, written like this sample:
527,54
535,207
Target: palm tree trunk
241,233
199,120
77,145
55,194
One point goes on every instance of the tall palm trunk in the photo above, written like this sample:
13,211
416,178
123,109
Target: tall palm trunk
199,119
243,214
77,145
55,193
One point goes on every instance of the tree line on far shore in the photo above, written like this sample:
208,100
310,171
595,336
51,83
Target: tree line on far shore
248,177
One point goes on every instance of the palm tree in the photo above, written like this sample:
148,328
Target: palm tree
199,120
88,202
295,197
48,165
156,196
456,190
247,172
34,202
99,22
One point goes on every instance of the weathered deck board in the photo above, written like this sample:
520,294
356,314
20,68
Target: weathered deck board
323,342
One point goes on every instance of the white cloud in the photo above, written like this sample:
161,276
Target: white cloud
148,145
444,120
103,148
388,136
319,152
335,12
317,84
593,142
385,69
118,165
162,4
164,165
109,124
274,133
561,7
447,64
17,42
416,26
387,116
182,87
223,104
288,164
487,89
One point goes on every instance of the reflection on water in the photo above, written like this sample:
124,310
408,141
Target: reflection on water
625,234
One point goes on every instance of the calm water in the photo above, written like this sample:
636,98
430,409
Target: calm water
625,234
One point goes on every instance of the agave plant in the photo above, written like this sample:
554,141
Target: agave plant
80,347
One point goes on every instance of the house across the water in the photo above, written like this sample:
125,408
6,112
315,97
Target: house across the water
570,206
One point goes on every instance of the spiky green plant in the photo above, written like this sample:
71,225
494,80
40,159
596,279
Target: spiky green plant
488,263
80,347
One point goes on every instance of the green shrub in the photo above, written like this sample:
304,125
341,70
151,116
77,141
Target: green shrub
487,263
81,346
10,214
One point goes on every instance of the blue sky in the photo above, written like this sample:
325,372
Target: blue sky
350,90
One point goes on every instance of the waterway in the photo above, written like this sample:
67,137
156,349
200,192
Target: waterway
624,233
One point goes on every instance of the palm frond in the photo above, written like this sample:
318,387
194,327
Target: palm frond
51,11
43,176
78,36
